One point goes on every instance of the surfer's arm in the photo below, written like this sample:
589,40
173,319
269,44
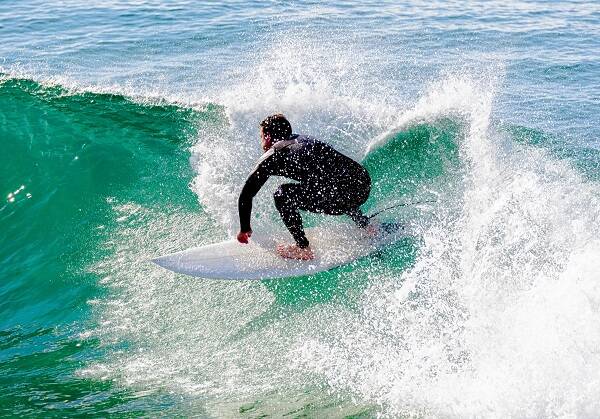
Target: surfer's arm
255,181
250,189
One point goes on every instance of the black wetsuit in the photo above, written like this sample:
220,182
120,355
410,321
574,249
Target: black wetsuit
329,183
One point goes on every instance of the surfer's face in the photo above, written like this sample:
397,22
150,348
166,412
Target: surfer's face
265,140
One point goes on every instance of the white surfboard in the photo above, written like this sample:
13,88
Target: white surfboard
333,245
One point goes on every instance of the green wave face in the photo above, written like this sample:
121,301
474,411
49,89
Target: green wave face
65,155
66,159
413,158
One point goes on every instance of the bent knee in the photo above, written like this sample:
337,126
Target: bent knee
280,196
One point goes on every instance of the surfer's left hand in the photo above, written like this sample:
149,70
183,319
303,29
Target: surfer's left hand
243,236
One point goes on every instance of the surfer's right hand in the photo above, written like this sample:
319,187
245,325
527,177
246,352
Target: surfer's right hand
243,236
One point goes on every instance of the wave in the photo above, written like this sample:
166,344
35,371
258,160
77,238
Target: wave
69,162
497,312
491,309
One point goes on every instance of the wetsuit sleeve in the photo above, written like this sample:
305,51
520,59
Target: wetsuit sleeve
255,181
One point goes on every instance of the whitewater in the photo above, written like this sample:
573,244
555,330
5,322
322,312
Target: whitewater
129,130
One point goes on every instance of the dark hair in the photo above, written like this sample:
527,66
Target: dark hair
277,127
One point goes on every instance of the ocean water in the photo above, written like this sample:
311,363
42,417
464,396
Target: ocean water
127,130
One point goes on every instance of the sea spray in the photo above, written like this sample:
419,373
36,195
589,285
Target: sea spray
321,93
499,314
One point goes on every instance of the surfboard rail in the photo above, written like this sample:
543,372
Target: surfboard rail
333,245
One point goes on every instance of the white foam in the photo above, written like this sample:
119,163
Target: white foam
499,316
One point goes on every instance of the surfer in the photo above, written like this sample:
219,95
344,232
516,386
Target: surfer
328,182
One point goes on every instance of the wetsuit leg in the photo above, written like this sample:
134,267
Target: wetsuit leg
355,196
358,217
289,198
330,199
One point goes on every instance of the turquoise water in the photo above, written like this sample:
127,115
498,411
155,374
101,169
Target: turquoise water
128,129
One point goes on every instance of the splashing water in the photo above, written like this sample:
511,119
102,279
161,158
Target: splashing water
495,314
490,311
499,314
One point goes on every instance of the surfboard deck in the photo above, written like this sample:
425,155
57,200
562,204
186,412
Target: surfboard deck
333,245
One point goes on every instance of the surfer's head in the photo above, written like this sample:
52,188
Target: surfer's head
274,128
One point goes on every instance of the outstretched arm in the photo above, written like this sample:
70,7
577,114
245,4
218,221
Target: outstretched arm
253,184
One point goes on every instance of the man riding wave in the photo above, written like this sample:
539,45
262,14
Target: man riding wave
327,182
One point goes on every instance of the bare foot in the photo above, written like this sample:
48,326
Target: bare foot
373,229
292,251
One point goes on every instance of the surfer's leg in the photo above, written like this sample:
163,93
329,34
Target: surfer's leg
344,198
358,195
288,199
358,217
331,200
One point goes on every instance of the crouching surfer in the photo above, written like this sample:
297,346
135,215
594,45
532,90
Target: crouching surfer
327,182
